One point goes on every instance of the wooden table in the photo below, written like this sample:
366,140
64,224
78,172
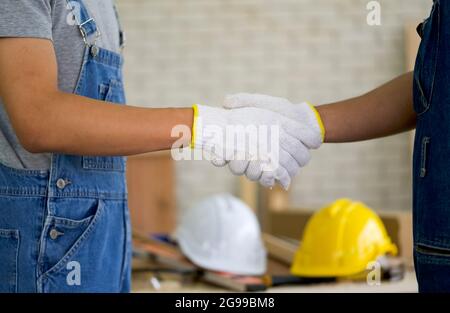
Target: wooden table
141,283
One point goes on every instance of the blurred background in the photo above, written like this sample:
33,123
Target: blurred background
183,52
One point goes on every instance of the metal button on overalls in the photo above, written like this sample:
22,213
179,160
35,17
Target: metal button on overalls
54,234
94,50
61,183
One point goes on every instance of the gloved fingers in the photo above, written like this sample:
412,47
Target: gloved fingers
289,163
282,176
241,100
219,162
278,174
296,149
267,179
303,114
254,170
238,167
215,154
220,153
300,132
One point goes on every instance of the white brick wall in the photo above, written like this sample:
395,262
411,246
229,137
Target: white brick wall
185,51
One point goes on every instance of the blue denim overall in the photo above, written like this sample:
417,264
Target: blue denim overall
431,164
67,229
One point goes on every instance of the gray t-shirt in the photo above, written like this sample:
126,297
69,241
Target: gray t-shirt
50,19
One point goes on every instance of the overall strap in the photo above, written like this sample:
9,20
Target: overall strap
86,24
121,32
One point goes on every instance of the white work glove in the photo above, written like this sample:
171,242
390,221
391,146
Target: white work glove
304,113
267,164
311,134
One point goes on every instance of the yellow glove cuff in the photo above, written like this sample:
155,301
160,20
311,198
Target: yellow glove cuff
319,121
194,125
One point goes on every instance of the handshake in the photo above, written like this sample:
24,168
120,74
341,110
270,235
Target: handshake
265,138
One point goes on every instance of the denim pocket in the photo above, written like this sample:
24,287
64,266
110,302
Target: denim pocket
9,251
95,261
63,234
65,237
112,92
426,62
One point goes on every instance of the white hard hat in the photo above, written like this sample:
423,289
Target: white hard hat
221,233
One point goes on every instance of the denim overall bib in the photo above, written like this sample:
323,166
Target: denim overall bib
67,229
431,163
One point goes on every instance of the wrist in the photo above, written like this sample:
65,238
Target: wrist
319,120
208,122
322,112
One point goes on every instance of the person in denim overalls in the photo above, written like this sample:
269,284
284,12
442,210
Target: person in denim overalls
66,228
421,100
431,166
80,216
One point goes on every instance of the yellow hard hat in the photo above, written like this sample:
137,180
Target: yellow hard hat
340,240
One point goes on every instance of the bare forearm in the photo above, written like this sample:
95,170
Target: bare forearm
384,111
48,120
78,125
